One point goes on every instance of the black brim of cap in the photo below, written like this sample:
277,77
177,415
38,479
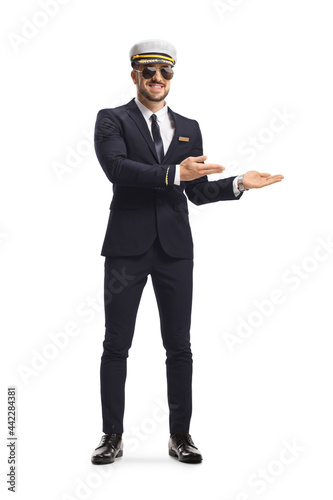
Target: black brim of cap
153,58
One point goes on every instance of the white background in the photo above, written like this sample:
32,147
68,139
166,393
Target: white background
238,63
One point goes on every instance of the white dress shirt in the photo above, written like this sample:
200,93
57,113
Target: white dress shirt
167,129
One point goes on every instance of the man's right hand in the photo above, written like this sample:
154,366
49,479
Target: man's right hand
194,167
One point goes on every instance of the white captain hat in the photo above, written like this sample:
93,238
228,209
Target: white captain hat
153,51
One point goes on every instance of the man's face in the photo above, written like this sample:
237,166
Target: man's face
156,88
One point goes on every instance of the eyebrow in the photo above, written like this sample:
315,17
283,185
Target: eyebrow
153,64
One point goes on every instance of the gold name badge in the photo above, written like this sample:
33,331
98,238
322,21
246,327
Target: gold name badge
183,139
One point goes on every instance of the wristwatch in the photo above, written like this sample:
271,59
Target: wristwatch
240,184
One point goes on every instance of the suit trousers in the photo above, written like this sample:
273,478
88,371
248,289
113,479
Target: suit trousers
125,278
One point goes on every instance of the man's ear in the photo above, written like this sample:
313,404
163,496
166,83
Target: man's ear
134,76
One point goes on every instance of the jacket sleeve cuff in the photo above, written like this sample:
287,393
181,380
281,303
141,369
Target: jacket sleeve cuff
170,175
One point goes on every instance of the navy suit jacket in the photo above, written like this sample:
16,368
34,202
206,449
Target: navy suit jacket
143,206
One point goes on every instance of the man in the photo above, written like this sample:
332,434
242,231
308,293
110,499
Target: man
152,155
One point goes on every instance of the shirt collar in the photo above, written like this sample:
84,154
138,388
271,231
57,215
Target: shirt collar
161,114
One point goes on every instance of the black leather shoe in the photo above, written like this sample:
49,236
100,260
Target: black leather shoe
182,446
109,448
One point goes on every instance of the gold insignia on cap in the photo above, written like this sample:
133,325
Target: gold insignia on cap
183,139
155,56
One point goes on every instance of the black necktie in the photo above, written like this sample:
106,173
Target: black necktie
157,138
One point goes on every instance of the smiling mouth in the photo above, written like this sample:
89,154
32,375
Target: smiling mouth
156,86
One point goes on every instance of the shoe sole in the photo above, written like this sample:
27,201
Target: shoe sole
102,461
191,460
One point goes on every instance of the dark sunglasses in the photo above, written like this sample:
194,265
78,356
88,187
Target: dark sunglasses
150,72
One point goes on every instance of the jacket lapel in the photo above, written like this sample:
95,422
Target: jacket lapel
136,115
174,139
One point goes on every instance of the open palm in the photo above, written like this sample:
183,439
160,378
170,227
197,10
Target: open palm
253,179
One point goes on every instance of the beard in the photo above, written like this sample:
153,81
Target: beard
150,97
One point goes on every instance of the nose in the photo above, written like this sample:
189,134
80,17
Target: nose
158,74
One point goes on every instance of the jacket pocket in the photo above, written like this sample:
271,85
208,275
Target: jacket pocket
124,206
181,207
